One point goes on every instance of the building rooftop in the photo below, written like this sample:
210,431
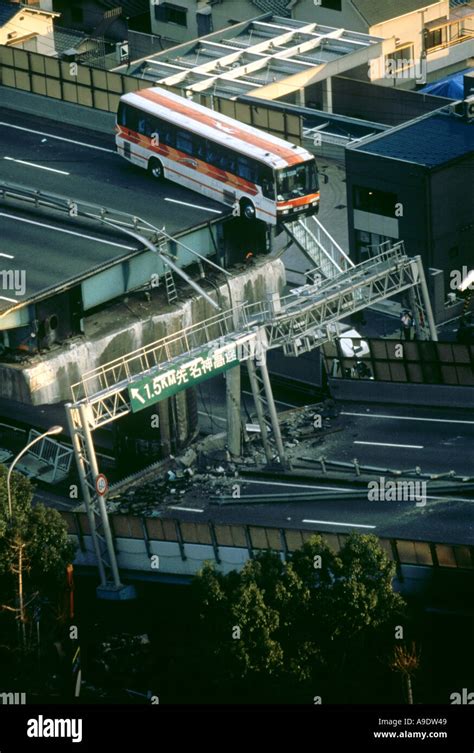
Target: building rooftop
430,141
7,12
378,11
269,53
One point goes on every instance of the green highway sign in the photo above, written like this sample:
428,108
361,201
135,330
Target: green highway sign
188,373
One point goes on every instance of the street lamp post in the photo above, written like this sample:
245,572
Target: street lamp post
52,431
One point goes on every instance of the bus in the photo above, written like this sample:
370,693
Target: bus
260,175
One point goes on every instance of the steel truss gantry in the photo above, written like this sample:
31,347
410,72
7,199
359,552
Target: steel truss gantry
299,322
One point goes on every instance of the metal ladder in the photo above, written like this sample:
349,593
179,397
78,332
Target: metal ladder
170,285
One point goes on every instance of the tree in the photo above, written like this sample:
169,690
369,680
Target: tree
299,620
406,661
34,551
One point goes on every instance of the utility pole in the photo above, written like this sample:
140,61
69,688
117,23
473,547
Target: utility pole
234,422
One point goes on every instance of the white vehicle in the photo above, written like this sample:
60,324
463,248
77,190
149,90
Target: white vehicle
260,175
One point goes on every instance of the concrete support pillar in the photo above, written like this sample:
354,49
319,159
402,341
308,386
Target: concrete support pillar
164,415
301,98
234,423
181,418
327,95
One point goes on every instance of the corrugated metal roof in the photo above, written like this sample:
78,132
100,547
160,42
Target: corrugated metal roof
430,142
7,12
377,11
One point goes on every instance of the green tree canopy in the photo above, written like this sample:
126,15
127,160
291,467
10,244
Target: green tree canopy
297,619
41,529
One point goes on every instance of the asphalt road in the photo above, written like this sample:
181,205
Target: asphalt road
443,440
83,165
390,437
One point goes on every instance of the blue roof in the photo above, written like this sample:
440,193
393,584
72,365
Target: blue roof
7,11
450,86
430,142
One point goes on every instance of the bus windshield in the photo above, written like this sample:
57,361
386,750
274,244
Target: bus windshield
297,181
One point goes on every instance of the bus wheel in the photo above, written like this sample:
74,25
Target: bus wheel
155,168
247,209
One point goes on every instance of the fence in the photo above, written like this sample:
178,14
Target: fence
97,88
419,362
258,538
69,82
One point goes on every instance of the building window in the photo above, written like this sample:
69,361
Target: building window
330,4
204,24
376,202
435,38
402,58
367,245
168,13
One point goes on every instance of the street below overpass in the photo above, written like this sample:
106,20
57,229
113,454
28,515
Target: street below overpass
437,440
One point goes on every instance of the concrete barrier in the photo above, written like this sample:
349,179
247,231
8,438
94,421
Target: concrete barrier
64,112
370,391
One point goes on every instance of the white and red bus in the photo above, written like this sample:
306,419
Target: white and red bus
260,175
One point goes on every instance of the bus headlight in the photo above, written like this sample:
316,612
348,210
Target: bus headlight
286,211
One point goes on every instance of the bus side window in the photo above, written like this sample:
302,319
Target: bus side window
167,133
227,160
200,148
243,168
152,126
184,142
211,153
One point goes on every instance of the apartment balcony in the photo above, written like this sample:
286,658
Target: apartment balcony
450,40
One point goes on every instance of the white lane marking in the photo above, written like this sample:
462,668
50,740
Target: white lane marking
407,418
7,256
387,444
194,206
68,232
295,486
10,300
447,498
212,418
184,509
40,167
59,138
280,402
334,523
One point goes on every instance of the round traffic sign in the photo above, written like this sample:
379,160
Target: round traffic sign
101,484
